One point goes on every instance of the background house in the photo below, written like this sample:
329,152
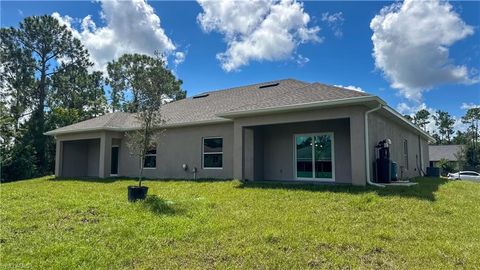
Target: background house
447,152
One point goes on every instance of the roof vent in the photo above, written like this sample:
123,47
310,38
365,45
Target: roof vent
268,85
200,96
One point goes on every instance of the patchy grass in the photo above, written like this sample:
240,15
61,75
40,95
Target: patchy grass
88,224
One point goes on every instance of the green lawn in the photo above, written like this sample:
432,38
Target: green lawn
88,224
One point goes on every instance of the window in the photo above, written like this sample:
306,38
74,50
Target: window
150,160
405,153
314,157
212,153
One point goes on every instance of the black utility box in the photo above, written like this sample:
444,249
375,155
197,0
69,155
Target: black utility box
384,170
433,172
383,162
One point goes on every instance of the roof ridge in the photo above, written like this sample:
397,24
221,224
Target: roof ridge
270,97
250,85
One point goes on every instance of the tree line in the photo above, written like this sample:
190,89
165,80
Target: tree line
47,81
444,132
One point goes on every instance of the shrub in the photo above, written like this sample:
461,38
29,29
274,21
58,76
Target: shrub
446,166
18,163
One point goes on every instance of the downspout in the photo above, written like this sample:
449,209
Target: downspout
367,147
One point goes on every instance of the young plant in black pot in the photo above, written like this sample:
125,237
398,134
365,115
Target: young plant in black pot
141,143
151,84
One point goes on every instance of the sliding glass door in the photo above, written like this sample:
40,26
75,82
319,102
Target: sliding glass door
314,157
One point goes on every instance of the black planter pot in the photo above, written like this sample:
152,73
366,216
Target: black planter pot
136,193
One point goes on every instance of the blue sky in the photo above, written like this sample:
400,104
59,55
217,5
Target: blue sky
339,49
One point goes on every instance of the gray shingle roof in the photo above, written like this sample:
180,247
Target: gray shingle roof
109,121
206,109
437,152
309,93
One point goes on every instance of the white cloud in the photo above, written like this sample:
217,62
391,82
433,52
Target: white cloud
130,27
302,60
179,58
411,45
466,106
351,87
335,22
263,30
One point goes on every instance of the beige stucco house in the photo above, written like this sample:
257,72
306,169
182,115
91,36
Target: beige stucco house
281,130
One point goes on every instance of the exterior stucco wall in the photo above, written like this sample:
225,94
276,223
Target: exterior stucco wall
278,148
382,127
93,157
179,146
79,136
425,154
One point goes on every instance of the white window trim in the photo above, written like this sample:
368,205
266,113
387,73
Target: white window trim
331,134
210,153
150,155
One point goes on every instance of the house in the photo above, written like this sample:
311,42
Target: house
280,130
447,152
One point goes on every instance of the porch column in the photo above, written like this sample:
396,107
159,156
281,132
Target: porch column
237,151
105,155
58,158
357,144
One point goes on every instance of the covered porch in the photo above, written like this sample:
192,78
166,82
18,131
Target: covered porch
318,146
87,154
306,151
